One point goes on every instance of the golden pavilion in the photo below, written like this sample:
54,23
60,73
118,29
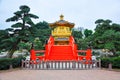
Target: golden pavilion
61,31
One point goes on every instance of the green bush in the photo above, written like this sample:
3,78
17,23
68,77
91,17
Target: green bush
115,61
118,53
6,62
16,62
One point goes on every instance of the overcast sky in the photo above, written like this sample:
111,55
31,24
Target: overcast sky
81,12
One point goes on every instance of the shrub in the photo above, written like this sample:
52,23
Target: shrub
16,62
115,61
118,53
6,62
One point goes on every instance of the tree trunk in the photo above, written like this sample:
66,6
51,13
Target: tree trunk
13,49
10,53
114,52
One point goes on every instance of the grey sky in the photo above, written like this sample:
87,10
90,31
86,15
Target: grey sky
82,12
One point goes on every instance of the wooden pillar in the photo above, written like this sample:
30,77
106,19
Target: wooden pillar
88,54
32,55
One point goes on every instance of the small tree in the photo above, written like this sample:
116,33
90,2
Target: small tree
87,32
21,31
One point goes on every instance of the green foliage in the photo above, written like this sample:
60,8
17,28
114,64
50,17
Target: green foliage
105,62
16,62
42,32
40,54
6,62
102,25
23,45
82,43
5,40
118,53
33,16
115,61
14,18
115,26
42,25
37,44
109,46
87,32
78,38
77,34
17,25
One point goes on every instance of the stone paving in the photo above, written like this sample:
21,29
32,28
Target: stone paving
60,75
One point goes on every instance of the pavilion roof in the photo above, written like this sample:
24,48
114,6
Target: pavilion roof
62,22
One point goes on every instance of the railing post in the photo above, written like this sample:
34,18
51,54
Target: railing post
25,64
89,62
85,63
39,64
51,64
110,66
32,63
65,64
36,65
78,64
69,64
62,64
82,62
100,63
73,65
93,64
47,65
10,66
43,65
29,64
55,64
58,64
96,65
22,65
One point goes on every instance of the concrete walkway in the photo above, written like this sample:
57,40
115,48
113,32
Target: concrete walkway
60,75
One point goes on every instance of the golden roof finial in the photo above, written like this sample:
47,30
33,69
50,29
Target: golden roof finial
61,17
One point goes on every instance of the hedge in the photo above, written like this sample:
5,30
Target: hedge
115,61
6,62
